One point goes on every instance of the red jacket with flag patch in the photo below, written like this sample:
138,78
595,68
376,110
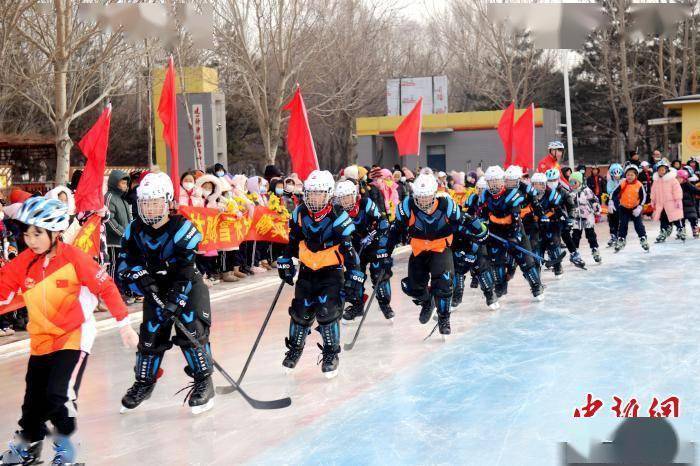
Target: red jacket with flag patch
60,294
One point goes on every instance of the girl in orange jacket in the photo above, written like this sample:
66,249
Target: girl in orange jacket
60,285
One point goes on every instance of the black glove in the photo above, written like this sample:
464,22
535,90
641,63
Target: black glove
176,304
384,260
286,269
354,285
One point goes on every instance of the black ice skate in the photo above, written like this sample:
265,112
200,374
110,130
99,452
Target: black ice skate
200,398
491,300
612,241
136,394
474,283
645,244
292,356
426,311
663,235
596,256
681,234
329,360
21,452
558,270
575,259
621,242
352,312
444,324
387,311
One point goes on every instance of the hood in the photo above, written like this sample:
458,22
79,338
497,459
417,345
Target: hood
253,184
12,210
213,179
239,182
53,194
114,177
671,174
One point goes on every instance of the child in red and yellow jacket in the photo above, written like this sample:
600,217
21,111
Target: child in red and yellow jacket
60,286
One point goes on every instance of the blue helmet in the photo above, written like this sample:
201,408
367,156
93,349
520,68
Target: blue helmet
615,169
49,214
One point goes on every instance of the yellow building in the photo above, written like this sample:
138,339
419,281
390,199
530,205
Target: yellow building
202,86
689,106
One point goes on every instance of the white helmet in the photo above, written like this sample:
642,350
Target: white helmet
555,145
319,181
481,183
424,189
513,175
153,196
539,178
351,173
426,171
346,194
496,178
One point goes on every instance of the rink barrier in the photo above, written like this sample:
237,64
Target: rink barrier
22,346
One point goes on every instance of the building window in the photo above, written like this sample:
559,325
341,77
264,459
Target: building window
436,158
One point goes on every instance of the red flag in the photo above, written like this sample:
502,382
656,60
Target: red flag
407,134
524,139
300,143
167,112
88,193
505,131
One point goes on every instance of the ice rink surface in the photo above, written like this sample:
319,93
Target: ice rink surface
501,391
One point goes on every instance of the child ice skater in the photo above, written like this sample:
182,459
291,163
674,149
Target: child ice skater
586,207
627,200
60,285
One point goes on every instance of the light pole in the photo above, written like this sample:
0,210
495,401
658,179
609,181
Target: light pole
567,106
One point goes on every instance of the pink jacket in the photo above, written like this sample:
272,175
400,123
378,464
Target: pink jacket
667,195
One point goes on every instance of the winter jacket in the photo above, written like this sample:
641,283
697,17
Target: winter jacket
192,198
586,207
690,211
120,214
61,295
628,195
667,195
596,183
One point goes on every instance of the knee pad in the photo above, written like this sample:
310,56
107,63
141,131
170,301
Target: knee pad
441,286
413,293
328,312
147,365
301,311
198,329
154,337
199,364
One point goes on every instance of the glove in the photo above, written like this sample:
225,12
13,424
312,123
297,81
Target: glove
286,269
637,210
354,285
384,259
544,219
611,207
175,306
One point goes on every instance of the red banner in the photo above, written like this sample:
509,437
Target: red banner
88,238
269,225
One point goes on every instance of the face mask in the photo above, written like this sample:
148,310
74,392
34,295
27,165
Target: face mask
219,174
279,191
206,192
552,184
188,185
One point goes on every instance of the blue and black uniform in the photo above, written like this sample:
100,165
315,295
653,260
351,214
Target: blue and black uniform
431,235
552,205
469,254
502,212
160,265
371,241
323,244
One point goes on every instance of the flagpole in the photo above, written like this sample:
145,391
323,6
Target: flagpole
567,104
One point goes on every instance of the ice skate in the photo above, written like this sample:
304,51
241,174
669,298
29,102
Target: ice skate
387,311
426,311
21,452
645,244
200,398
596,256
575,259
292,356
64,451
621,243
135,395
329,361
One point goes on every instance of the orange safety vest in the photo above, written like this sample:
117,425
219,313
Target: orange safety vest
629,194
328,257
525,211
435,245
501,221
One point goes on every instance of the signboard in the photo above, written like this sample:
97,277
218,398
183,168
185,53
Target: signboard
402,95
198,127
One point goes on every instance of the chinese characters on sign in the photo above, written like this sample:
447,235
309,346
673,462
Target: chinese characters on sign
198,129
670,407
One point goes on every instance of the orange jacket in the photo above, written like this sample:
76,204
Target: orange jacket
60,295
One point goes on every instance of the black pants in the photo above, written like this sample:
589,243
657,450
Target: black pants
155,336
436,268
567,238
317,295
590,236
666,224
625,215
52,381
612,223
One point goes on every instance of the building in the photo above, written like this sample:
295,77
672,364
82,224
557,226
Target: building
689,106
206,136
450,141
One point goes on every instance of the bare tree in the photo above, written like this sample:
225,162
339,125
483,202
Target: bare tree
65,67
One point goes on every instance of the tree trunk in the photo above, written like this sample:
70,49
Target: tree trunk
626,91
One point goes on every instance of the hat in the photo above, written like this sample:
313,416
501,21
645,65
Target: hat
18,195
